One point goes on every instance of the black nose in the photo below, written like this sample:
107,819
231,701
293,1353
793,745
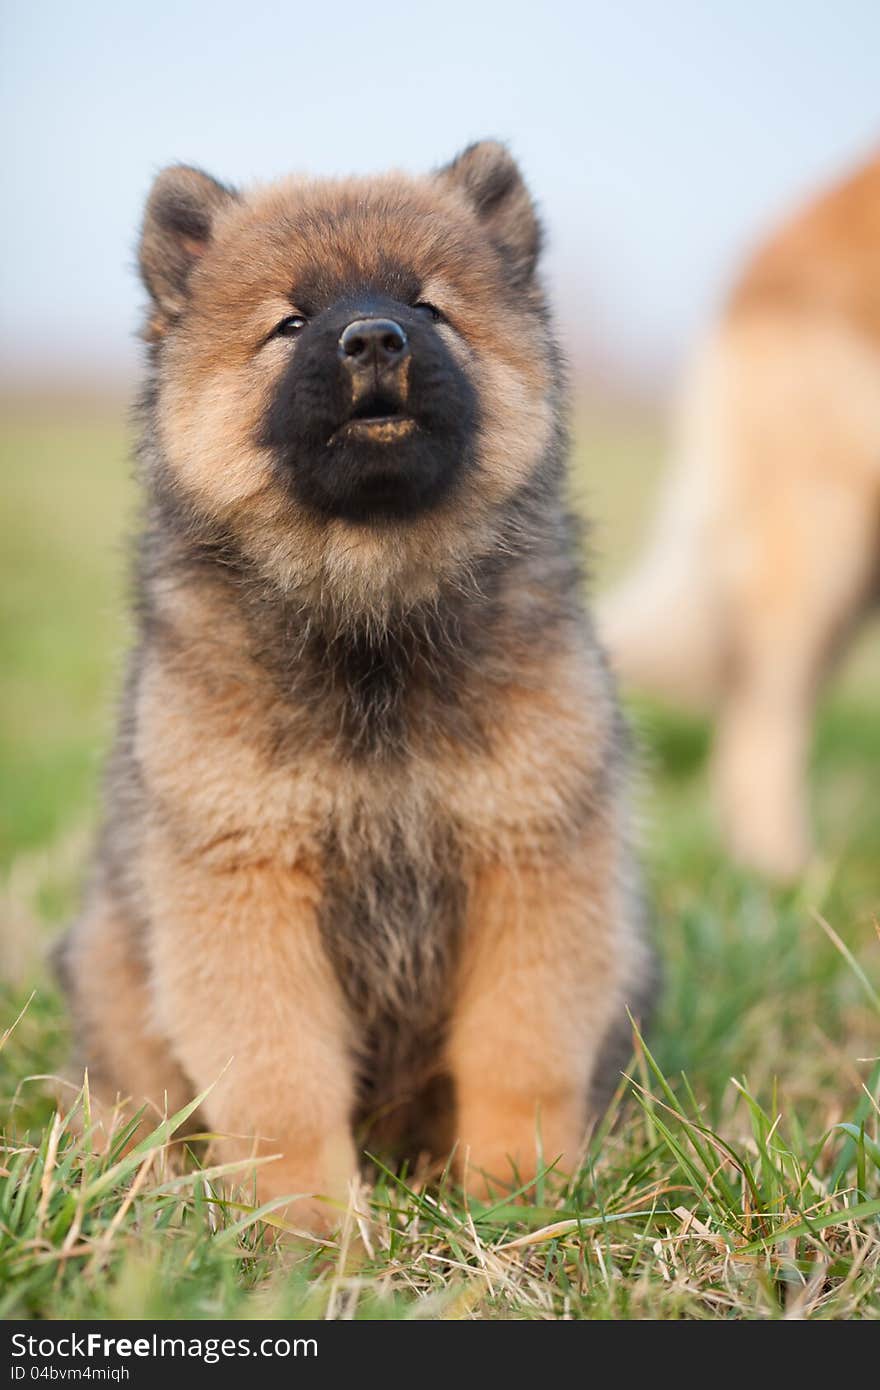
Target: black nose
372,342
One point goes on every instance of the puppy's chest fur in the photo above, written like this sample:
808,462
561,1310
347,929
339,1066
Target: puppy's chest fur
263,741
373,761
393,893
390,860
391,917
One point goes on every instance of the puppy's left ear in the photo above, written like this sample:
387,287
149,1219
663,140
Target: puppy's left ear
489,177
178,224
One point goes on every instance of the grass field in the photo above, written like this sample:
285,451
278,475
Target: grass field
742,1179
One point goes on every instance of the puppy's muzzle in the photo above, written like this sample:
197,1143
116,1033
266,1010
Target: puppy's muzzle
374,355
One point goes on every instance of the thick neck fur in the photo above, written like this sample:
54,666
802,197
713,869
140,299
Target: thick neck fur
377,687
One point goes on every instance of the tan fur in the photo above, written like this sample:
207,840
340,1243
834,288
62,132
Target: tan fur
250,926
536,994
766,549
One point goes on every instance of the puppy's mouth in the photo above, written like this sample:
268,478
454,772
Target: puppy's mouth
379,419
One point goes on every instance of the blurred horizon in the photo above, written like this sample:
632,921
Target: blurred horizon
660,143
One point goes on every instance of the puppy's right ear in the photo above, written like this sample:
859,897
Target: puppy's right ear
490,179
177,228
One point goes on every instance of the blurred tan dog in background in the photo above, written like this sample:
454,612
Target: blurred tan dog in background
765,550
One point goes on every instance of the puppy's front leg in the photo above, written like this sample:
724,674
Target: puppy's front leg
241,974
540,986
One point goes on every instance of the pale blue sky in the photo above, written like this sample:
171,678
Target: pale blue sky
661,136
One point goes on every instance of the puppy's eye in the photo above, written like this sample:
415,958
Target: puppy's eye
429,309
289,327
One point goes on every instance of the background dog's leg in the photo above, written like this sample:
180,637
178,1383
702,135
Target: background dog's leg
660,623
800,590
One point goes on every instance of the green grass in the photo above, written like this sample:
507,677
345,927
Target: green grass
742,1177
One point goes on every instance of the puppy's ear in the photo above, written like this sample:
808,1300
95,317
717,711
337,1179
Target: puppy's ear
177,227
490,178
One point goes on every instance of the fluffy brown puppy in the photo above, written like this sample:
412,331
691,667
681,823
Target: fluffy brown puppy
766,551
366,828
